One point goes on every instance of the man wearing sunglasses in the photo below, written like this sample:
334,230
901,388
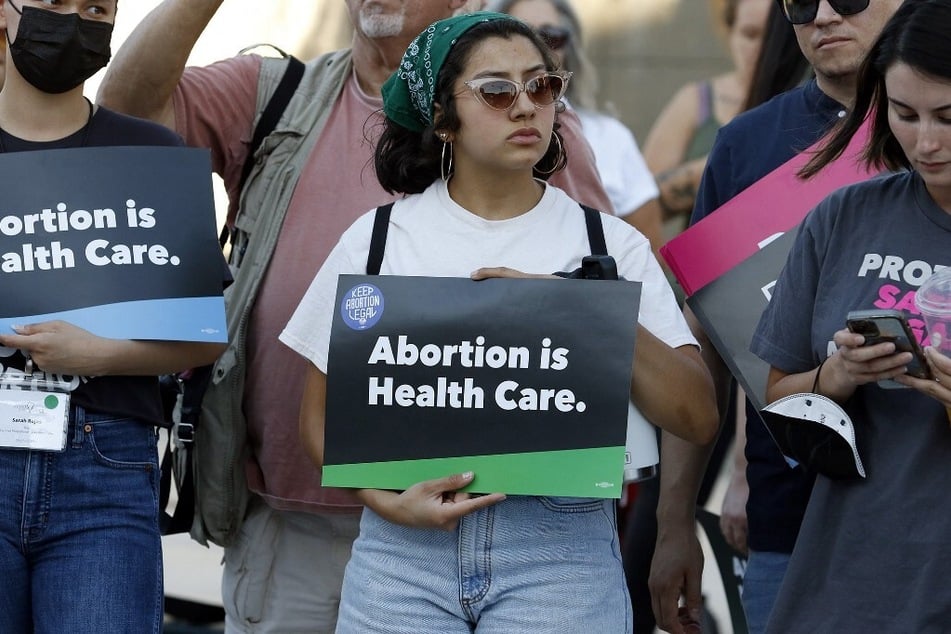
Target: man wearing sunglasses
834,36
286,538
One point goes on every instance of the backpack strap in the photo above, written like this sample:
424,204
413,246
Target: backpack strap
599,265
269,118
180,520
592,220
273,111
191,386
381,225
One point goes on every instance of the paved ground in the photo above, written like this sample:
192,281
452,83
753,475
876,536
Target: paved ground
179,627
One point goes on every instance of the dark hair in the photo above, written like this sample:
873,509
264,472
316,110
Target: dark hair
780,65
917,35
408,162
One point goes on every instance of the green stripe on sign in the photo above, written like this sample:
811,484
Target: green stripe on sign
593,473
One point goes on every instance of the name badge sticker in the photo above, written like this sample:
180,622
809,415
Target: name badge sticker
32,419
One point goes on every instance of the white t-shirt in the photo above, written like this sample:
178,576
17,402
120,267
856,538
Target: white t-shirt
430,234
624,172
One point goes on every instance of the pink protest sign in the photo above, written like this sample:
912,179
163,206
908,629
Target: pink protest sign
772,205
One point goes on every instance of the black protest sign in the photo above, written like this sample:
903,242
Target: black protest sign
526,382
120,241
732,567
729,310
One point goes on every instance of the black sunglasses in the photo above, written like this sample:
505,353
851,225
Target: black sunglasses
554,36
805,11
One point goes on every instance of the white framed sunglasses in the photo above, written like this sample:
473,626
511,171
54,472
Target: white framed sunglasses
499,93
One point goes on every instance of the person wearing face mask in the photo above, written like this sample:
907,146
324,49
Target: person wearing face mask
80,548
56,52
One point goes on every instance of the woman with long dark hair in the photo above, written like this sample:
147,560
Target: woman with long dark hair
872,553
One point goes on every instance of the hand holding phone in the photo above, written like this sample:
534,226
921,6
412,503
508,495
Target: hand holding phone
879,325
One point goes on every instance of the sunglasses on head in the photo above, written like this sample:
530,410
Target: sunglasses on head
555,37
805,11
501,94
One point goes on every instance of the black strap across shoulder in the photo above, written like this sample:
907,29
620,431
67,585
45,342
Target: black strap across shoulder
271,114
381,224
273,110
592,220
182,434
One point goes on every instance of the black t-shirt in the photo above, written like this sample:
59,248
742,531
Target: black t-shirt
124,396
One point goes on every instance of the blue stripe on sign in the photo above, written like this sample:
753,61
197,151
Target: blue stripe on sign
176,319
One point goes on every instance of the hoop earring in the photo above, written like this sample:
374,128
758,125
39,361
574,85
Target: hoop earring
445,172
559,158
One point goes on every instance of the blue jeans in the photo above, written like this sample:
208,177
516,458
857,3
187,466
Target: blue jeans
527,564
761,581
80,549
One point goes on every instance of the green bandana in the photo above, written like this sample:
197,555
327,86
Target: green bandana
409,93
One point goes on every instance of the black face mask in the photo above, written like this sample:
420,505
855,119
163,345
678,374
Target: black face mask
56,52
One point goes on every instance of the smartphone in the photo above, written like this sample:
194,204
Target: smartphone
878,325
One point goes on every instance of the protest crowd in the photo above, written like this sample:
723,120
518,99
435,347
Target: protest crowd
388,387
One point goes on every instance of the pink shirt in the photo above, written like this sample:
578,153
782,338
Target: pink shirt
215,108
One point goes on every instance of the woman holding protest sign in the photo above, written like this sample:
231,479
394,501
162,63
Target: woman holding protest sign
470,132
867,247
80,548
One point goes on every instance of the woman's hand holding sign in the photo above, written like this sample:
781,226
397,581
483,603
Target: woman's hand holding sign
430,504
59,347
488,272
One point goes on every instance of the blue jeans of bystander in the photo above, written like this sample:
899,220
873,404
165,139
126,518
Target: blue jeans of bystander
527,564
764,574
80,549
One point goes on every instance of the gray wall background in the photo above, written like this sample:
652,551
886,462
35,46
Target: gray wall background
643,50
645,55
